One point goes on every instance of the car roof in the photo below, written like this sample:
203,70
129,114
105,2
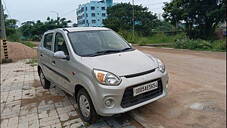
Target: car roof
77,29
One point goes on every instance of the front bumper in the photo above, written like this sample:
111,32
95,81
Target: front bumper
115,94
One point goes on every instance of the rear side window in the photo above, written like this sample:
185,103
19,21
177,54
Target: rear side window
48,41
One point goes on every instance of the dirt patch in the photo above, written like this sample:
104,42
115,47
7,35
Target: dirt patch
206,54
38,99
197,90
43,96
18,51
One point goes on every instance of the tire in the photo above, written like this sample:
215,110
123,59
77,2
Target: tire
83,97
44,82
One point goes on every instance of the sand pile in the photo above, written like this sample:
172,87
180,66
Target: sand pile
18,51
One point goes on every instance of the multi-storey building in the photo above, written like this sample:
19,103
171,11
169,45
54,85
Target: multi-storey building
93,13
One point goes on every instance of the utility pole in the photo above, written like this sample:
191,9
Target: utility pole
55,13
133,20
3,34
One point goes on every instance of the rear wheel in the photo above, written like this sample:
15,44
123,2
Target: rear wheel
44,82
86,108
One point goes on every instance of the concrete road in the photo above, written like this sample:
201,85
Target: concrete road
197,91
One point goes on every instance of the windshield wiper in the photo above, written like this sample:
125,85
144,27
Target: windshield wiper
125,49
107,52
103,52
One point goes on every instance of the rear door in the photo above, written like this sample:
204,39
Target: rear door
45,55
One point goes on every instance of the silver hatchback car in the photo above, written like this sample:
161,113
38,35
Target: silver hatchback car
101,70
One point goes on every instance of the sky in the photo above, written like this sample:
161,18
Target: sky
33,10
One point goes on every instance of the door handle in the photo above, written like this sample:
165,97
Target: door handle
53,62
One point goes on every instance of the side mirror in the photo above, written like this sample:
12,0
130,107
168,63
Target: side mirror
60,55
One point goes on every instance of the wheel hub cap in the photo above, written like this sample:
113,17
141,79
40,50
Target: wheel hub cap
42,79
84,106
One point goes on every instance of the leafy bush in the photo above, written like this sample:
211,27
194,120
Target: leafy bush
177,41
128,35
219,45
192,44
163,38
14,37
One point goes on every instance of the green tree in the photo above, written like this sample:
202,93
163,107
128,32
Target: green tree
27,28
164,26
12,32
120,18
11,25
34,30
200,17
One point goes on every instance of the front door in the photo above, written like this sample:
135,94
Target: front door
62,66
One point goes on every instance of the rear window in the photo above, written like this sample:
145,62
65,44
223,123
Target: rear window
47,43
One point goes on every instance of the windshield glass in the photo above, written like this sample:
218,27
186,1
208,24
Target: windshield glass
93,43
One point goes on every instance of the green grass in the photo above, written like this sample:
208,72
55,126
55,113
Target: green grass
29,44
33,62
160,38
179,41
153,39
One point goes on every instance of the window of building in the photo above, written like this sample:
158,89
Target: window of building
48,41
97,13
93,21
92,8
93,14
103,8
82,9
86,15
86,8
103,14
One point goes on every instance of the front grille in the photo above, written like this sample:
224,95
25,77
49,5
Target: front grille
140,74
129,100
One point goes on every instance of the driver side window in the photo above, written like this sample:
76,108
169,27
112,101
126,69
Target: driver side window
60,44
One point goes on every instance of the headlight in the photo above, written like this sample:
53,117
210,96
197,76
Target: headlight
106,78
161,66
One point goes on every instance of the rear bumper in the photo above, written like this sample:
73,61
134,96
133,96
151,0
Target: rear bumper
116,94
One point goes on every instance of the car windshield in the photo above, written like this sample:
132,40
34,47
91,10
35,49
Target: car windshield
94,43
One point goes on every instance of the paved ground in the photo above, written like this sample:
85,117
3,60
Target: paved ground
197,96
25,104
197,93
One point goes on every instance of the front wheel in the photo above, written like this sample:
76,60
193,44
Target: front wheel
44,82
86,108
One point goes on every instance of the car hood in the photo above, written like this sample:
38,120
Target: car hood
124,63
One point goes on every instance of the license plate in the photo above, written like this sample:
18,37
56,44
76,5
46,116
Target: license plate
145,88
